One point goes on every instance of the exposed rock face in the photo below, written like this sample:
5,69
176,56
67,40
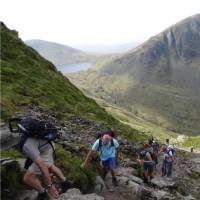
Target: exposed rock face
168,58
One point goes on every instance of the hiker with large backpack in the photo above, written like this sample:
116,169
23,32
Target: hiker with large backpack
147,162
168,160
108,148
37,143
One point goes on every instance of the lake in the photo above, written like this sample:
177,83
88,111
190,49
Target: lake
72,68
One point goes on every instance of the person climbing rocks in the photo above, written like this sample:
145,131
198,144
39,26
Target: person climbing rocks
40,160
147,162
168,160
108,148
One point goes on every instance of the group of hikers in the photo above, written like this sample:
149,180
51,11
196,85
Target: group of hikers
37,143
148,158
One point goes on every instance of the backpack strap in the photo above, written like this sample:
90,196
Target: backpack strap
54,151
27,163
112,143
100,145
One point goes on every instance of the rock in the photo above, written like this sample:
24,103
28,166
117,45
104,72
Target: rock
3,159
28,195
122,180
99,184
21,162
163,195
181,197
148,193
75,194
135,179
196,169
190,197
8,162
2,124
98,189
134,189
188,171
122,171
162,183
129,163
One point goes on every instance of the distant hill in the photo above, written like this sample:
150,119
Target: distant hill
157,81
107,49
60,54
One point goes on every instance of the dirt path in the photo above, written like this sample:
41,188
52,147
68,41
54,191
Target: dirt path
117,194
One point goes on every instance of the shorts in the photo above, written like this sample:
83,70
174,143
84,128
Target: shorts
110,163
47,157
149,166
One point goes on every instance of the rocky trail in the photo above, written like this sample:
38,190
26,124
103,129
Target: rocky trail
132,187
184,184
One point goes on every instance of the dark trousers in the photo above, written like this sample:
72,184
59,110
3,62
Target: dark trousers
164,171
167,168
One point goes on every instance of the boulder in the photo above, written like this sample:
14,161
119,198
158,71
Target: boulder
75,194
148,193
134,189
163,183
135,179
122,180
129,163
125,171
99,184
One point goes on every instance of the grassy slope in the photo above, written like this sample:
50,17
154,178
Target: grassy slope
29,79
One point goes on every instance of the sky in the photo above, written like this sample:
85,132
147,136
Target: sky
99,22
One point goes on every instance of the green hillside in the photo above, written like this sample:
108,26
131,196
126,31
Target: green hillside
158,81
27,79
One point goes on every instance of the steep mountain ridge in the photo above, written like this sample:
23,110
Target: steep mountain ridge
174,53
159,80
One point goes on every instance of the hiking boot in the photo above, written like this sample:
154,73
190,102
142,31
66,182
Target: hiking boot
43,196
65,185
114,182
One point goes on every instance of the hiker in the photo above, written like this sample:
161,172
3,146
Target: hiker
168,161
37,144
108,148
147,162
155,147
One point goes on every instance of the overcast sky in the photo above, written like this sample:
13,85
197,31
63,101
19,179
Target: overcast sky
103,22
